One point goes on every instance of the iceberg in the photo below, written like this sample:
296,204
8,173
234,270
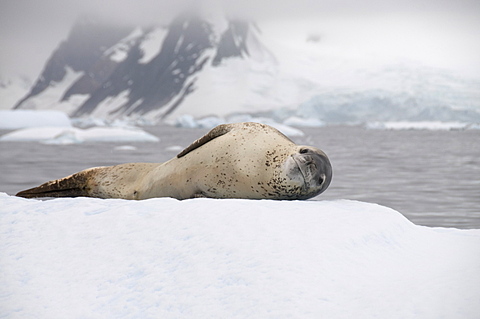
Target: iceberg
422,125
71,135
303,122
174,148
125,148
208,258
12,120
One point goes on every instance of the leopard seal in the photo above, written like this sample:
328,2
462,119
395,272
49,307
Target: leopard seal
242,160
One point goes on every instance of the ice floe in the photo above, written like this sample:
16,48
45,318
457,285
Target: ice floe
206,258
71,135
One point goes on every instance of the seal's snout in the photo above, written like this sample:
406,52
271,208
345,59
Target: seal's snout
315,168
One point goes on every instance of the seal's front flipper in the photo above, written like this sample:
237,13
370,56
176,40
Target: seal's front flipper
214,133
75,185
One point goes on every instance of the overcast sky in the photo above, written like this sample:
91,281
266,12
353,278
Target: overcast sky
31,29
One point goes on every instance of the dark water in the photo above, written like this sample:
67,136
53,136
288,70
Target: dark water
432,177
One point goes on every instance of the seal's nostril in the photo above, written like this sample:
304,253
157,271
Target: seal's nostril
321,179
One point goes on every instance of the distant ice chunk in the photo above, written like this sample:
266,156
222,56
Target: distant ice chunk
475,126
117,134
424,125
88,122
132,122
36,134
210,122
187,121
65,137
125,148
71,135
174,148
16,119
303,122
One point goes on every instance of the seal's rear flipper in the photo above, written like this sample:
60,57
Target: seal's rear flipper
75,185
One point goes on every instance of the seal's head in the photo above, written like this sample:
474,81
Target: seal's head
310,166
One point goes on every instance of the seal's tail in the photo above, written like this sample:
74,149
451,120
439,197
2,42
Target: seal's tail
71,186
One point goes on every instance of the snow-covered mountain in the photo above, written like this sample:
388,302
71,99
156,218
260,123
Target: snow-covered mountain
210,65
12,89
106,71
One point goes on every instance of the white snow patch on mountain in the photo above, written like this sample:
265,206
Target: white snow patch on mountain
12,89
111,104
152,44
237,85
73,102
51,97
119,51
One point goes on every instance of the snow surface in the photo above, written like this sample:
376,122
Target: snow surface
11,120
71,135
206,258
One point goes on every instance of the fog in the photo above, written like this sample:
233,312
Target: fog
444,33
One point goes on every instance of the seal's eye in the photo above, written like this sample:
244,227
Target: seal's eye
303,151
